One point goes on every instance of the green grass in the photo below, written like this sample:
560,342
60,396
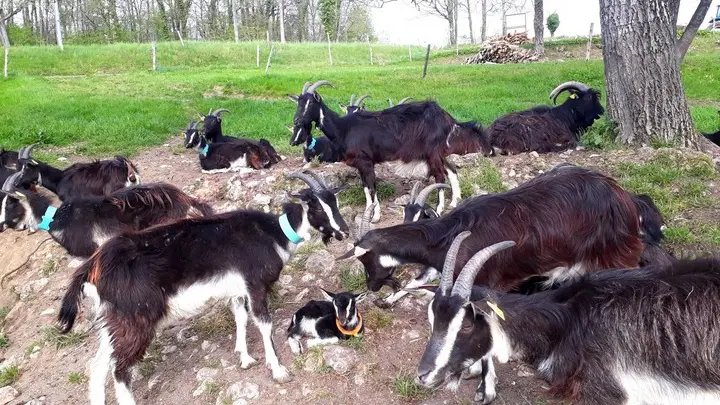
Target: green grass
404,385
351,279
355,195
4,342
376,319
76,378
219,323
53,336
9,375
4,311
355,343
481,176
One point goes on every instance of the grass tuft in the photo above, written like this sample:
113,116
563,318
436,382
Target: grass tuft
219,323
483,176
355,195
4,342
351,279
355,343
600,136
53,336
9,375
404,385
376,319
77,378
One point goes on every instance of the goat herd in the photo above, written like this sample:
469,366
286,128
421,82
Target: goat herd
520,271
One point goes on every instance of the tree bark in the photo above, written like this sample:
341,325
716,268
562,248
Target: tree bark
645,97
58,25
236,25
539,28
282,22
483,20
683,44
469,10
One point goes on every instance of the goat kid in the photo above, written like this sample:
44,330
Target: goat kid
354,105
80,180
139,279
599,340
326,322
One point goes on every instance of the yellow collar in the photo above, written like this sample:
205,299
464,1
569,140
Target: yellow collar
353,332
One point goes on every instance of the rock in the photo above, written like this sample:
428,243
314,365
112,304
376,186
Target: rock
313,363
7,394
534,154
153,381
31,288
524,371
301,295
285,279
340,358
168,349
320,261
235,189
308,277
208,346
402,200
512,173
306,389
270,179
412,335
223,400
243,390
206,373
261,199
202,388
49,311
359,379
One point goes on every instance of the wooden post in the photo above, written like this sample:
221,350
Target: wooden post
257,58
180,36
329,49
154,59
58,25
457,49
410,52
267,36
589,43
371,60
267,65
5,70
427,58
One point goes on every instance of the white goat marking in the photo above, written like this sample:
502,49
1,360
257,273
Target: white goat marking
99,236
388,261
490,381
284,254
320,342
329,214
279,372
368,197
358,251
190,299
28,220
643,388
101,364
123,394
501,349
455,186
321,123
443,356
3,208
431,315
546,365
560,274
441,201
417,169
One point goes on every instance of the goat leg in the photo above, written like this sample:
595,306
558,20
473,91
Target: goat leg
428,275
367,176
485,392
237,305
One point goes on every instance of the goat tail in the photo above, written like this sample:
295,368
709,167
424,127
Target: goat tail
73,295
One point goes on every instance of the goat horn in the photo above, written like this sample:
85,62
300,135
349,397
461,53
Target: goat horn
414,192
26,151
365,222
360,100
305,87
446,280
192,125
317,177
405,100
219,110
352,98
466,278
565,86
422,197
9,185
314,185
317,84
390,103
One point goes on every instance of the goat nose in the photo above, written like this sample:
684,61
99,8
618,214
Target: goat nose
421,379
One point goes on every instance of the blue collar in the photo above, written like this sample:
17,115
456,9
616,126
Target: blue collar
312,144
204,150
288,230
47,219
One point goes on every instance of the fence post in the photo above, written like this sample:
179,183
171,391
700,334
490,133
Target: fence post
371,58
7,57
589,43
257,56
267,66
154,59
410,52
427,58
329,50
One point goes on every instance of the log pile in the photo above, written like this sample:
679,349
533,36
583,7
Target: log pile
505,49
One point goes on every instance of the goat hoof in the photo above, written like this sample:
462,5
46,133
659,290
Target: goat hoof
381,303
246,363
483,398
281,375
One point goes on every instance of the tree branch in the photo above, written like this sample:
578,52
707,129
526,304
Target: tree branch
683,44
7,17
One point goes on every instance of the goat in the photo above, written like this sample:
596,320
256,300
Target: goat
223,157
402,101
616,337
713,137
548,129
212,126
8,159
80,180
568,221
354,105
83,224
416,209
418,134
652,225
326,322
139,279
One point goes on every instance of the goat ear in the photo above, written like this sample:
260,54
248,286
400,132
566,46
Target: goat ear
317,97
342,107
201,115
327,295
340,189
293,98
357,251
361,297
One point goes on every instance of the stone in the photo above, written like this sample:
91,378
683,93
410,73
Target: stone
235,189
524,371
359,379
49,311
301,295
31,288
206,373
320,261
534,154
7,394
270,179
306,389
285,279
202,388
261,199
512,173
153,381
168,349
208,346
340,358
308,277
243,390
402,200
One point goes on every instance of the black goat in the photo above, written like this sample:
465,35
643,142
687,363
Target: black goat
652,225
228,156
8,159
416,209
548,129
714,137
83,224
139,279
98,178
402,101
212,126
326,322
615,337
354,105
416,134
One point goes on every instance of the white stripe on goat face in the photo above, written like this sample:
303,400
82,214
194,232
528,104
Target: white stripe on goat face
3,208
297,136
329,213
448,343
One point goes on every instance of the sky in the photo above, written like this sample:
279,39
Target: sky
399,22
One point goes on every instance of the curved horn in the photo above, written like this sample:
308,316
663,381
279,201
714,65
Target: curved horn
360,100
422,197
414,192
317,177
26,151
219,110
405,100
365,222
352,98
317,84
565,86
466,278
390,102
305,87
446,280
314,185
192,125
9,185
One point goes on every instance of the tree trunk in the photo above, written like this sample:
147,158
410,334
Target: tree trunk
282,22
483,20
58,25
3,32
645,97
683,44
469,10
504,23
539,28
236,25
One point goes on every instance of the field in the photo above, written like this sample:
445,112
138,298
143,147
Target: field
96,101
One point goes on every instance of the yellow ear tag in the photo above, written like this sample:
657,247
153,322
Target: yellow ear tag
572,96
497,310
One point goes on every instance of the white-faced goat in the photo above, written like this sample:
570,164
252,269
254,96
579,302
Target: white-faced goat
228,156
326,322
548,129
98,178
139,279
553,218
616,337
82,224
417,134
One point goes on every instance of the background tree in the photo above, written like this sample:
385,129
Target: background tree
505,7
688,34
539,28
447,9
553,22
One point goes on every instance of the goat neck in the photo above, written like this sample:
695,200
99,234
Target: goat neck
50,176
295,217
329,122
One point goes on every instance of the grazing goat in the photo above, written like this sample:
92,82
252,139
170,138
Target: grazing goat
83,224
568,221
548,129
326,322
616,337
212,126
416,209
417,134
234,155
139,279
714,137
98,178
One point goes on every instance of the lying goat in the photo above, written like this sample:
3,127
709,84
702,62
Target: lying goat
616,337
99,178
548,129
402,101
326,322
139,279
212,126
8,159
83,224
223,157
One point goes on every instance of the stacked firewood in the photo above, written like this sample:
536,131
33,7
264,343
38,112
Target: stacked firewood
505,49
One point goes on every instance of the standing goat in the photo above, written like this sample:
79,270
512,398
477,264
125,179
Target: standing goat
617,337
98,178
139,279
417,134
83,224
326,322
548,129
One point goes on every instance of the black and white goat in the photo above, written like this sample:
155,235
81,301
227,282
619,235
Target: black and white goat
234,155
616,337
417,208
354,105
713,137
82,224
416,134
212,126
98,178
8,159
326,322
548,129
139,279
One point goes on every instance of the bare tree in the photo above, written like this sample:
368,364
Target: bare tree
483,20
5,18
58,25
468,8
505,7
282,21
683,44
539,28
447,9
